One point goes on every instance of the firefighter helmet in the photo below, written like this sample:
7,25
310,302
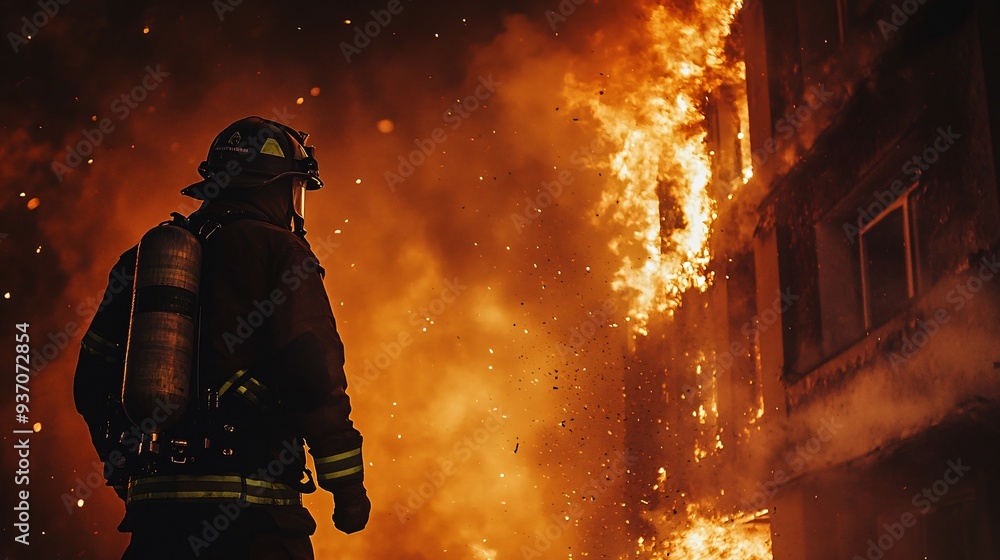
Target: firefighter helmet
253,152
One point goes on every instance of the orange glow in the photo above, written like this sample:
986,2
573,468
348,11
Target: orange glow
525,337
660,201
709,538
657,129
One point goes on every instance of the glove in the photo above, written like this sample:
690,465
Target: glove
351,508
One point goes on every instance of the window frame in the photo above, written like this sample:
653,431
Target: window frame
907,207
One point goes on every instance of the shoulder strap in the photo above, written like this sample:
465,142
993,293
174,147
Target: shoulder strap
204,226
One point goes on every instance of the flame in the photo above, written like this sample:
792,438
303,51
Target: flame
481,552
658,132
705,537
708,437
662,201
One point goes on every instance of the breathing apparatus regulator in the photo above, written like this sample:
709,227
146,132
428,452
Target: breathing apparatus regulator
161,362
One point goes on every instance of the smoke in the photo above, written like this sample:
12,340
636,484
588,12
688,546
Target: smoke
484,343
944,353
500,209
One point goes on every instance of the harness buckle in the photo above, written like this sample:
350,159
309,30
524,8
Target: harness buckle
179,451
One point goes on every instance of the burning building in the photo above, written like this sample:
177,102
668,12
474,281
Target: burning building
813,367
697,279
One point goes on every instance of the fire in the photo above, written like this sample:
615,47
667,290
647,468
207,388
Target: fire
664,200
436,391
712,538
658,131
708,439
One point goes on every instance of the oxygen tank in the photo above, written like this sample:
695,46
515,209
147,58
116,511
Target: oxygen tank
163,330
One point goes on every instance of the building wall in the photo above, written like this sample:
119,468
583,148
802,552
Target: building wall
892,333
848,340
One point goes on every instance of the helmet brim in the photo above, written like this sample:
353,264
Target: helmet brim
202,189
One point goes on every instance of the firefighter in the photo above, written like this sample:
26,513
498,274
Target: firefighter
221,474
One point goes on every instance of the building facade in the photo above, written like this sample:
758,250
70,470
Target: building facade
843,370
